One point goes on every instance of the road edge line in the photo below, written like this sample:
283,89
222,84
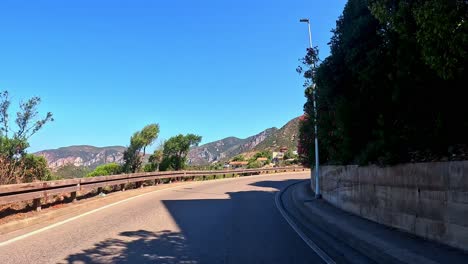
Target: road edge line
45,228
40,230
298,231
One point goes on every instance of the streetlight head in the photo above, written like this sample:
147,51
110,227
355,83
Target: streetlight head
306,20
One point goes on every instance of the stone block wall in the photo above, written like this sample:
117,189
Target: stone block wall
426,199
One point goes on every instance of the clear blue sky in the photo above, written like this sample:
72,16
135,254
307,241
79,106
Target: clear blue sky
107,68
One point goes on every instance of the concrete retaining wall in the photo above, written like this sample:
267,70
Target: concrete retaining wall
426,199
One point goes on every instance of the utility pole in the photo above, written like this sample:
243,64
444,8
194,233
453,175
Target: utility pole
314,96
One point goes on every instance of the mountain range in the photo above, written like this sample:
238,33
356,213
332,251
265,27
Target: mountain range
218,151
82,156
270,139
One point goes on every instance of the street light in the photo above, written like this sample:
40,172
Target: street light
317,168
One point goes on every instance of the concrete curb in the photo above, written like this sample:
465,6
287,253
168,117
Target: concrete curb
336,232
280,206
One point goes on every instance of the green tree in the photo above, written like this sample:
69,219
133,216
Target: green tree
35,168
148,135
439,28
379,92
16,165
138,143
216,166
289,155
154,160
239,157
254,164
176,149
262,154
106,169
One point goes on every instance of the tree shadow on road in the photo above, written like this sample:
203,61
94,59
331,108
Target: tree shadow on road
139,246
245,228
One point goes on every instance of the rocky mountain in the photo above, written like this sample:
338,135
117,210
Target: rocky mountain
87,156
224,149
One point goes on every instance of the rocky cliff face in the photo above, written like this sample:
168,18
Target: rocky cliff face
87,156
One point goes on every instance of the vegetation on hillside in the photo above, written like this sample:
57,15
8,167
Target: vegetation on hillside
106,169
70,171
286,136
175,150
16,165
392,89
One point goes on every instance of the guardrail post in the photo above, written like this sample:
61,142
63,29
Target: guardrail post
73,197
73,194
122,187
37,204
204,177
224,175
99,190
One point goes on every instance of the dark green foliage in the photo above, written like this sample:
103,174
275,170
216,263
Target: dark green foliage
154,160
254,164
175,151
106,169
393,85
216,166
289,155
263,154
35,168
138,143
239,158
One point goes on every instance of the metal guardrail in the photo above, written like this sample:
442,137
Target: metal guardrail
43,190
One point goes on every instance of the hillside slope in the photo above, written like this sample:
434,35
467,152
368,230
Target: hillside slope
286,136
226,148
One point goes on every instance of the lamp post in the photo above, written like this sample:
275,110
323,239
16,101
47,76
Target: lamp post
317,166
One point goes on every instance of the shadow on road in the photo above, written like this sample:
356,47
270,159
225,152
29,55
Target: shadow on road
246,228
139,246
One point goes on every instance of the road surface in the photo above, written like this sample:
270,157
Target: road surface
223,221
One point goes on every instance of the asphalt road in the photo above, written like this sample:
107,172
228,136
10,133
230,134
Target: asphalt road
223,221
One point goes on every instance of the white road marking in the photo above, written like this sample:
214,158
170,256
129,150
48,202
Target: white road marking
4,243
301,234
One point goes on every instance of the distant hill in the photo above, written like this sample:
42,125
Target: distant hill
224,149
286,136
84,155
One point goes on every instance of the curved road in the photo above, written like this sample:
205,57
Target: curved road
224,221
